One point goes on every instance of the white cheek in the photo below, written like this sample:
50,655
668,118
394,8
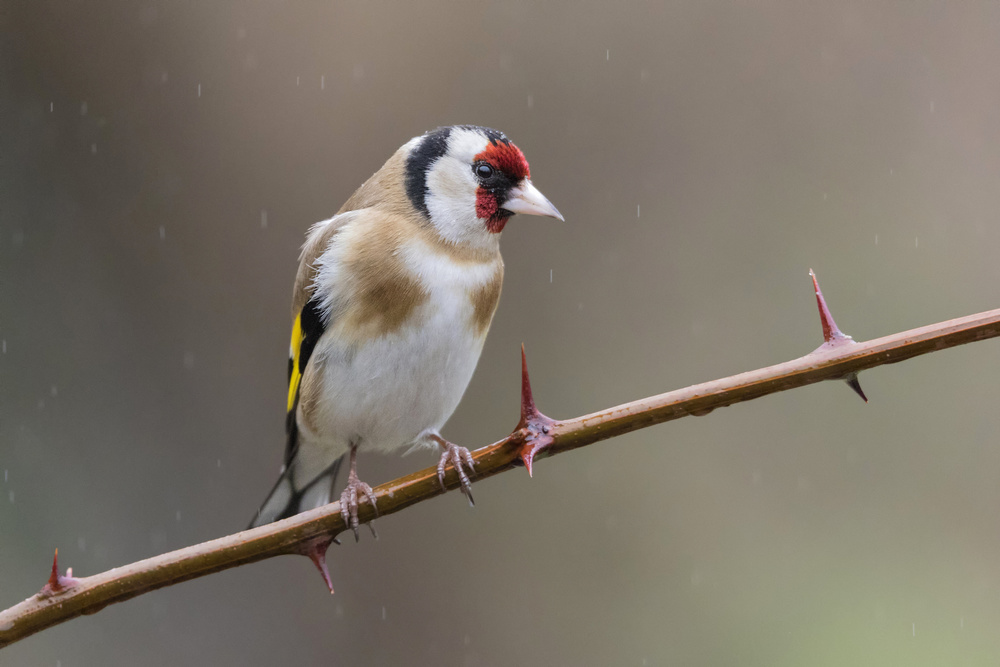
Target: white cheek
451,184
451,201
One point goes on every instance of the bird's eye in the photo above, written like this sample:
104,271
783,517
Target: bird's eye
483,171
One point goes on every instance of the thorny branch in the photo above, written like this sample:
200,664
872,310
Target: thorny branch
536,436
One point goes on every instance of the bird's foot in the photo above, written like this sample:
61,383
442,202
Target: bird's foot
349,503
459,457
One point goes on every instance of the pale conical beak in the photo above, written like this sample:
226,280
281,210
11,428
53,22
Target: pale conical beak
527,199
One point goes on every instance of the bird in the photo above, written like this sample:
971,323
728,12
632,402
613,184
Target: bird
392,301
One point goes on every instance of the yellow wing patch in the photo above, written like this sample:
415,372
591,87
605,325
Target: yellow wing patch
295,375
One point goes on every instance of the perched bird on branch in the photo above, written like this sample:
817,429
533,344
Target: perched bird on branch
392,303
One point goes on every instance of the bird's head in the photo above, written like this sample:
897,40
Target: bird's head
468,181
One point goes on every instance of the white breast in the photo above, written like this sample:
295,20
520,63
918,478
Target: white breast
385,392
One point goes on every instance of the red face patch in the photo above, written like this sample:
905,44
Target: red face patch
486,204
506,157
487,208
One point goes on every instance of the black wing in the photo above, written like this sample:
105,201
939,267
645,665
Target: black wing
306,330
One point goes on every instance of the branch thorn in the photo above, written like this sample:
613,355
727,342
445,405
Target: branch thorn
316,551
54,577
528,409
833,337
57,583
831,332
852,382
534,426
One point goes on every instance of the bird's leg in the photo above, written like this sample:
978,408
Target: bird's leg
458,457
349,498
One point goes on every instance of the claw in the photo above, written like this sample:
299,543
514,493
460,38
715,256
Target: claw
349,499
460,458
370,495
442,464
345,510
349,505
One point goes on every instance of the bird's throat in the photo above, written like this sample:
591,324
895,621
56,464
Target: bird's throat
488,209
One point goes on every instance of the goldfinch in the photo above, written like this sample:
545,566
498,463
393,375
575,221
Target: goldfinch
392,302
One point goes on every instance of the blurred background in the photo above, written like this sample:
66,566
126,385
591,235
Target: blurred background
161,161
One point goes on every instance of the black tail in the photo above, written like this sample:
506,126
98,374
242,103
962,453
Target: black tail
287,499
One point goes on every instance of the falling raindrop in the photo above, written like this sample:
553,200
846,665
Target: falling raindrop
199,90
93,149
608,55
189,360
83,109
638,210
322,82
5,346
163,232
52,107
263,218
178,515
916,242
531,102
550,276
296,81
876,239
